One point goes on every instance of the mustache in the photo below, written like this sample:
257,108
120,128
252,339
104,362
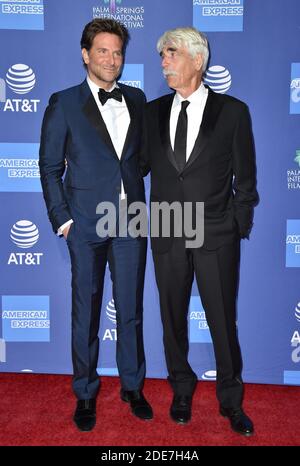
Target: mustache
169,73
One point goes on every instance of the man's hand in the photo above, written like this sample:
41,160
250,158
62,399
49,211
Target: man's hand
66,231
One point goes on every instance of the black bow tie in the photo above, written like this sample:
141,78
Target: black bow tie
114,94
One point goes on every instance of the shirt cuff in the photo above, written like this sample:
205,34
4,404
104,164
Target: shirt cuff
62,227
123,194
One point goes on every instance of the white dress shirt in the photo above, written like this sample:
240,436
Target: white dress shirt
194,114
117,119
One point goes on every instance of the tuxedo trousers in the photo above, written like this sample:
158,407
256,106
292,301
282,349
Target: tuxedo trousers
217,274
126,258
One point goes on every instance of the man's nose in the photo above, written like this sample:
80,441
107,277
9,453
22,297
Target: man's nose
110,59
165,62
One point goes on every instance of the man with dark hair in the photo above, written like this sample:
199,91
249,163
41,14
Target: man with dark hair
103,25
96,127
201,151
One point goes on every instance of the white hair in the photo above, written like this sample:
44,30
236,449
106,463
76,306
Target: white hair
194,40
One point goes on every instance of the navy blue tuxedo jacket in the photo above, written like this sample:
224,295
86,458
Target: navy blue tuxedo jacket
78,164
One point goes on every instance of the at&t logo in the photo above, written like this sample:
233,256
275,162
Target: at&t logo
297,312
295,340
209,375
25,235
111,333
218,79
20,79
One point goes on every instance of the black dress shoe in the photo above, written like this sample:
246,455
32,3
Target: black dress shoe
85,414
240,423
139,405
181,409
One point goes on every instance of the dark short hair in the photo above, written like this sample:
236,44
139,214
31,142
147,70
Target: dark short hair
98,25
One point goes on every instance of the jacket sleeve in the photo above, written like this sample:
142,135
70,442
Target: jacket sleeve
244,170
52,162
144,159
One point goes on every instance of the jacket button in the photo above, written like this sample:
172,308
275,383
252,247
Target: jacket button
181,178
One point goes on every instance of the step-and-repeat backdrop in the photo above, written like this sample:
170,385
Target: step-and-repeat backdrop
255,56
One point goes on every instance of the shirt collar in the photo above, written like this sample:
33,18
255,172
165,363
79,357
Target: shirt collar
95,88
196,97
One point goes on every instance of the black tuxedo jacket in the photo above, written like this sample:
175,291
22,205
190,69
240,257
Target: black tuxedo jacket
220,171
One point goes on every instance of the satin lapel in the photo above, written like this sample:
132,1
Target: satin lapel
210,116
132,124
165,106
92,113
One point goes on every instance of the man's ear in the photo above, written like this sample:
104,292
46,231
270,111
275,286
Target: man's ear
85,56
198,61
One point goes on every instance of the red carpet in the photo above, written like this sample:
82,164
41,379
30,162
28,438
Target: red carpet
37,410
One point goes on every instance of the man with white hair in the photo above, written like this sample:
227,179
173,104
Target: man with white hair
200,149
